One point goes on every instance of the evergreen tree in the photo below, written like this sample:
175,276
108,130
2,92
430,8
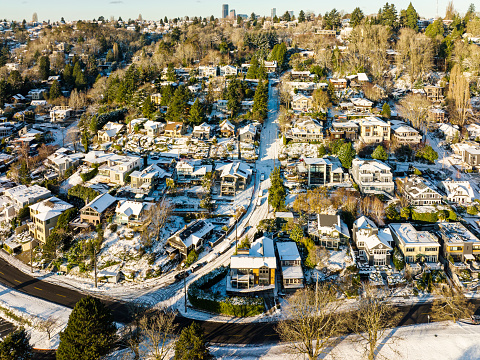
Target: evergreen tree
252,72
386,111
55,91
331,93
148,108
388,16
234,96
346,154
44,67
85,139
197,115
331,20
16,346
379,153
428,154
260,101
322,151
191,344
301,16
434,29
276,192
177,109
171,75
90,331
356,17
410,17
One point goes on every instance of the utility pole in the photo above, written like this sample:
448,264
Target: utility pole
31,256
95,264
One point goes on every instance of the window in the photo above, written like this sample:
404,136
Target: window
430,249
410,249
456,248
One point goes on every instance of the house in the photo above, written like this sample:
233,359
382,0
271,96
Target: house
324,171
404,134
458,243
459,192
270,66
253,270
130,213
330,231
44,216
175,129
60,161
471,156
374,130
60,113
93,212
301,102
117,167
248,133
23,195
153,128
373,177
37,94
227,128
374,245
339,84
192,237
361,105
449,131
436,115
228,70
202,132
156,99
344,130
147,178
415,245
234,177
419,191
207,71
246,105
300,75
110,131
291,265
306,129
188,172
434,93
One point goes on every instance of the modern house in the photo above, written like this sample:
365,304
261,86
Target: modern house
374,245
458,243
373,177
374,130
207,71
132,213
324,171
434,93
330,231
93,212
44,216
227,128
60,113
459,192
147,178
22,195
291,265
419,191
153,128
60,161
415,245
188,172
234,177
192,237
117,167
228,70
344,130
253,270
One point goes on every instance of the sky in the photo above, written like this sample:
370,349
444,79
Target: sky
155,9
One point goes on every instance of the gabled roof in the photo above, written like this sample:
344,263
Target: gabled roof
130,208
50,208
101,202
238,169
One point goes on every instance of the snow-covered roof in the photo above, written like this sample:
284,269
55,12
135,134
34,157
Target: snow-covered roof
129,208
409,236
364,222
361,102
458,188
24,195
362,77
101,202
238,169
49,208
456,232
370,165
261,253
373,121
150,172
194,232
288,251
248,129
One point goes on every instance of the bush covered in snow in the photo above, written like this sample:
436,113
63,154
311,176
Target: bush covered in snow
227,305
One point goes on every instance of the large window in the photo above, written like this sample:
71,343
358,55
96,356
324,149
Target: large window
264,276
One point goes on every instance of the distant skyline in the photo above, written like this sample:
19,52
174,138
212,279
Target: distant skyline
53,10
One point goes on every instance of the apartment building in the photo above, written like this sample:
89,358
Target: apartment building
373,177
415,245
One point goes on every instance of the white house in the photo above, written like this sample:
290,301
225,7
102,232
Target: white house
228,70
374,245
22,195
131,212
291,264
459,192
373,177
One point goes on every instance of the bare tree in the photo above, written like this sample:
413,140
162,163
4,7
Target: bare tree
450,305
414,107
73,136
48,325
158,216
34,17
312,321
158,330
77,99
415,54
372,318
459,95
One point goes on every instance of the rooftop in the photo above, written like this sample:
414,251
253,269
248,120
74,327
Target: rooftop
408,235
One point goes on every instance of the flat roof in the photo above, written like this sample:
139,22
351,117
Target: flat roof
407,234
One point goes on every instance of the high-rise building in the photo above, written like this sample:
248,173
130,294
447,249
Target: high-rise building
224,11
233,14
290,12
274,13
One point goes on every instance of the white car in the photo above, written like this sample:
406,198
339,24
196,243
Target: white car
262,177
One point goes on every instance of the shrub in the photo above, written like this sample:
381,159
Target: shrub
429,217
398,260
89,175
191,258
113,227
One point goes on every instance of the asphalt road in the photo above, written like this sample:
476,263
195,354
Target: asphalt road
13,278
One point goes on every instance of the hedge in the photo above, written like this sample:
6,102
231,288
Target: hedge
89,175
234,306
